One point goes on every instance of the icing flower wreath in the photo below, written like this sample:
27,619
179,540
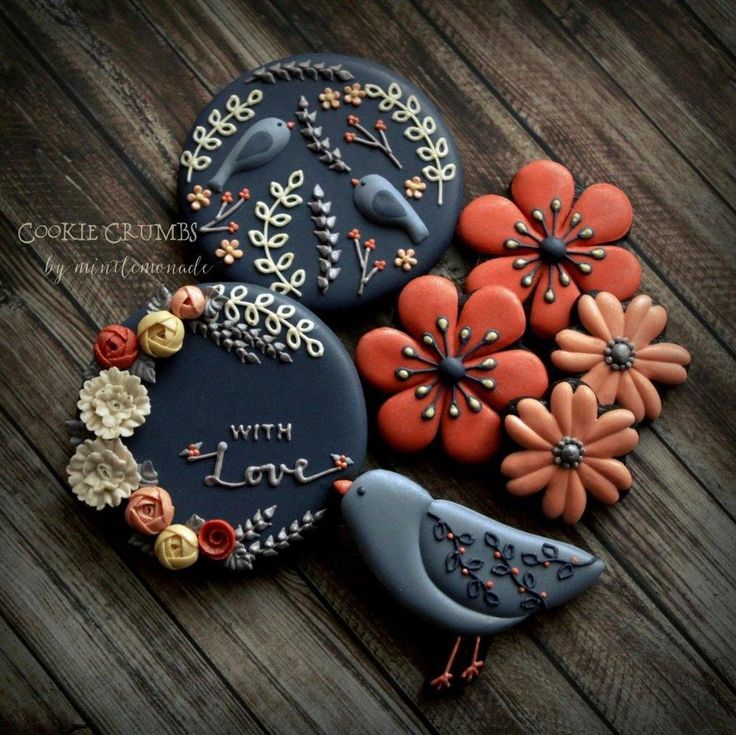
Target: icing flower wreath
618,354
548,248
450,373
569,451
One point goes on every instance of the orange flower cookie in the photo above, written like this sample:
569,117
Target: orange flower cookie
617,358
569,451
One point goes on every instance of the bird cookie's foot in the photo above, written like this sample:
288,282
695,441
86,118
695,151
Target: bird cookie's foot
443,681
472,671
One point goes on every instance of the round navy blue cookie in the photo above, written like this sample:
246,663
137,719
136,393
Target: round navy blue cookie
239,407
327,178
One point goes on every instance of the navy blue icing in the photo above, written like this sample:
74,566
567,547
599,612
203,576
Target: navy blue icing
203,390
281,100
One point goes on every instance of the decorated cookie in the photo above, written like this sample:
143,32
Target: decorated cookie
457,569
222,438
547,247
327,178
570,449
452,371
617,357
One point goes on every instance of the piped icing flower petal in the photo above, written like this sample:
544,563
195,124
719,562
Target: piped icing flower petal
584,412
636,310
552,305
423,302
553,501
501,272
611,422
488,225
600,487
576,362
651,325
604,209
472,437
612,268
651,402
575,500
560,406
402,422
539,419
521,463
491,305
574,341
382,352
532,482
614,470
613,445
602,380
525,436
546,187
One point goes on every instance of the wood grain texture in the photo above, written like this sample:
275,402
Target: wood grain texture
317,646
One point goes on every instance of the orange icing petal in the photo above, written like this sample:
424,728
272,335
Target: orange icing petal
613,445
652,324
379,355
574,341
575,362
492,308
521,463
609,423
604,382
628,395
547,318
488,221
619,273
665,352
518,374
617,472
501,272
598,486
401,424
575,499
606,210
553,502
592,319
649,395
561,407
525,436
664,372
584,412
422,302
635,312
472,437
532,482
612,311
536,416
535,186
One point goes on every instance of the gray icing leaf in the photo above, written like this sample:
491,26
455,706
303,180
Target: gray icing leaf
159,301
77,432
148,474
299,70
144,367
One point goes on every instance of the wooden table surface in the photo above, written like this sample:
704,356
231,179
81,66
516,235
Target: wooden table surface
97,101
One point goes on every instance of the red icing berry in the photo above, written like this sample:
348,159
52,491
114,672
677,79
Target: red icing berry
370,244
462,549
217,539
546,564
543,594
489,585
244,194
227,197
233,227
465,572
515,570
497,554
450,536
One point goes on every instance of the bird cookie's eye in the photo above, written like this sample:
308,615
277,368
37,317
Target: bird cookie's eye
360,490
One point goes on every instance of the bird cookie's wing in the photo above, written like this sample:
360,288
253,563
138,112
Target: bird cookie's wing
387,206
257,144
498,570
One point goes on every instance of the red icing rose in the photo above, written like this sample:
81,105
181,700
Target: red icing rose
217,539
116,346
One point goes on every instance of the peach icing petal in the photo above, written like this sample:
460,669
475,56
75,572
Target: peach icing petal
598,486
492,307
664,372
488,221
525,436
664,352
548,318
613,445
472,437
628,395
635,312
401,424
379,355
612,311
604,382
553,502
532,482
561,407
423,301
520,463
535,415
584,412
592,319
575,362
613,469
609,423
574,341
501,272
606,210
652,324
575,499
649,395
535,185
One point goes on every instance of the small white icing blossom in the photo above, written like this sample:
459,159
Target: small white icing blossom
113,403
102,473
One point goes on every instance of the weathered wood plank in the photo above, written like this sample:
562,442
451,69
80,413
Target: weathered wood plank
636,45
719,16
30,701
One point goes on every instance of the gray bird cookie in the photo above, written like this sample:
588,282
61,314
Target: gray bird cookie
457,569
326,178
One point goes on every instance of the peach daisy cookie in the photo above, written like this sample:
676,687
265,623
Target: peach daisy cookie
617,357
569,450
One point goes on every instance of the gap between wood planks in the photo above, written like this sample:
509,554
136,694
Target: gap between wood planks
709,31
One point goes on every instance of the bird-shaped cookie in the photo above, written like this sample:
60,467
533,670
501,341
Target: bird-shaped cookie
258,145
456,568
377,199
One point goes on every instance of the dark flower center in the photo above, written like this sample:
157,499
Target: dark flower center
568,452
619,353
552,249
451,370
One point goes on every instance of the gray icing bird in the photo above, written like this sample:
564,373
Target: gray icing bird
260,143
378,200
456,568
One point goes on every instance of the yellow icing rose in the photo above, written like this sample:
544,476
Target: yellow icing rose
177,547
160,334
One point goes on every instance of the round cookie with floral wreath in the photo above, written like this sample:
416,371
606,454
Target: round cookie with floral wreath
216,419
330,179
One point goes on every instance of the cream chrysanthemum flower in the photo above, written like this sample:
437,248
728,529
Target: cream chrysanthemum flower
102,473
113,404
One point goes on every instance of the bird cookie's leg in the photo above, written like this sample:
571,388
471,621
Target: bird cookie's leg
444,679
475,665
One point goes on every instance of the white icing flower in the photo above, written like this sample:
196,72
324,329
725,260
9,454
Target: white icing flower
113,403
102,473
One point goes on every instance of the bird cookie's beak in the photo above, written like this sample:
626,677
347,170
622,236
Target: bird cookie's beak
342,486
354,182
290,124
